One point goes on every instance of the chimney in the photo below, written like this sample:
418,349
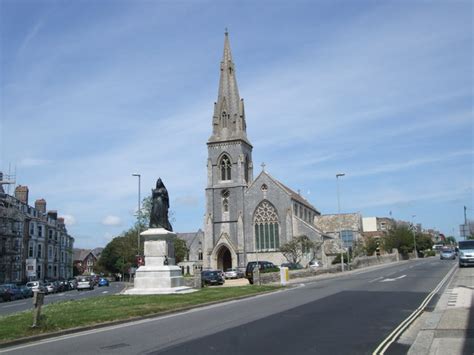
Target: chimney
53,215
21,193
40,205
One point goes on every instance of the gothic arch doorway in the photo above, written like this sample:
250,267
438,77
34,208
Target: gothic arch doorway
224,258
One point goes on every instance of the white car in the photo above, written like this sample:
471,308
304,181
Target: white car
37,286
314,264
231,274
84,283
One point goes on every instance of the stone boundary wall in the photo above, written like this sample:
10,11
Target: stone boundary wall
358,263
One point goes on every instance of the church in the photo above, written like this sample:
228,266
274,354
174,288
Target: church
246,218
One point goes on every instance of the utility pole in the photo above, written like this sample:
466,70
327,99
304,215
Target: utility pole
414,235
339,216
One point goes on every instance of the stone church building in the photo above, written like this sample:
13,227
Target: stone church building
247,218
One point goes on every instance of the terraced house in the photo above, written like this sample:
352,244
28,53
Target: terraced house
34,242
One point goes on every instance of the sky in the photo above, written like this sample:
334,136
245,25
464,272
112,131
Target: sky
94,91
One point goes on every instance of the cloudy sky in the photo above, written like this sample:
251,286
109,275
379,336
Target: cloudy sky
93,91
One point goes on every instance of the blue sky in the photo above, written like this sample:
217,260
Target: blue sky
93,91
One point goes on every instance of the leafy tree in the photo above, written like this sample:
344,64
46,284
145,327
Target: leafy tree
337,259
370,245
451,240
181,251
401,238
423,242
295,248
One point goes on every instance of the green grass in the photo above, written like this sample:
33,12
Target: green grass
95,310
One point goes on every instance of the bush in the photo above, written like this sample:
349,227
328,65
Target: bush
429,253
273,269
337,259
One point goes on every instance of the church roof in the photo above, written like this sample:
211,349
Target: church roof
294,195
229,114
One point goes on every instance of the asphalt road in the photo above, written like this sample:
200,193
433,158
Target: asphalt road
26,304
348,314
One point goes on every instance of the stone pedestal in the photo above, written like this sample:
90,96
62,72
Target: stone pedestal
159,275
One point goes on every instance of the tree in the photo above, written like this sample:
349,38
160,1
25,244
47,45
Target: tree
401,238
451,240
295,248
423,242
370,245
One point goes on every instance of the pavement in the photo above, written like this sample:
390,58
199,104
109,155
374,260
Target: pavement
449,328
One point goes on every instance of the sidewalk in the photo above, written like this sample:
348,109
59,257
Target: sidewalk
449,328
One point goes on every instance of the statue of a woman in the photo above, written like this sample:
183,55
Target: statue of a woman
159,208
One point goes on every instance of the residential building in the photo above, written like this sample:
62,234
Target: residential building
85,260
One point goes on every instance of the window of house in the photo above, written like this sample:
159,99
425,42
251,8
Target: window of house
32,228
30,250
40,231
266,227
246,169
225,200
226,166
39,255
200,254
50,234
50,252
347,238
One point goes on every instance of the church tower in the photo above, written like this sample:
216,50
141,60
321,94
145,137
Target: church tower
229,172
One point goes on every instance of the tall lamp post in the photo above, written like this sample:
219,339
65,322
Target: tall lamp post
138,213
339,212
414,235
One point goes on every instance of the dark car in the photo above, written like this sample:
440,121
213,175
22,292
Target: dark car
213,277
103,282
13,292
262,266
292,266
4,294
26,291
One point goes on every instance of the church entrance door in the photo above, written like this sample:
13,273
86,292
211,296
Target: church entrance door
224,259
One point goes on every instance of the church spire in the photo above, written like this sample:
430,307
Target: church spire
229,114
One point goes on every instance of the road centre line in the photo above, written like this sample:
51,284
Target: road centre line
378,278
383,346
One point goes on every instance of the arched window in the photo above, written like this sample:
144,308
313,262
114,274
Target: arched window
246,169
224,119
226,166
266,227
225,201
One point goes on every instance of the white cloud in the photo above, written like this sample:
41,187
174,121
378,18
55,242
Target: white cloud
69,219
112,221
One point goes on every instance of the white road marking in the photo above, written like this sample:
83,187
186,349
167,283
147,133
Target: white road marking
395,279
105,291
378,278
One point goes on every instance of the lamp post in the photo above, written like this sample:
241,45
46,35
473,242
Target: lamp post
339,212
138,213
414,235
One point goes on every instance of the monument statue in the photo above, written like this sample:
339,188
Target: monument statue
159,207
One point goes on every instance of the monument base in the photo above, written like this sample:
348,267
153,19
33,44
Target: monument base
158,276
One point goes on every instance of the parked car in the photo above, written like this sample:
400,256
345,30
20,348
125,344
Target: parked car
84,283
314,264
13,292
262,266
447,254
26,291
37,286
466,253
103,282
232,274
4,294
72,284
50,287
212,277
292,266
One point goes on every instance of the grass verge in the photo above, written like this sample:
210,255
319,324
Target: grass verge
95,310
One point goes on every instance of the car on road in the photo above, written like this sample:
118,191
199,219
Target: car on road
12,292
50,287
4,294
447,254
84,283
262,266
25,291
103,282
36,286
314,264
466,253
212,277
233,274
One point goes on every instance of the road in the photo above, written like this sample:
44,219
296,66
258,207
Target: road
25,304
348,314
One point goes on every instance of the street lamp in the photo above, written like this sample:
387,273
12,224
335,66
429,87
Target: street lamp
138,213
339,212
414,234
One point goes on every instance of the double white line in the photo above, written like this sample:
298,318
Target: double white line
406,323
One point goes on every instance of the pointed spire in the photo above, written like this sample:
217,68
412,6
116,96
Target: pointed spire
229,113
